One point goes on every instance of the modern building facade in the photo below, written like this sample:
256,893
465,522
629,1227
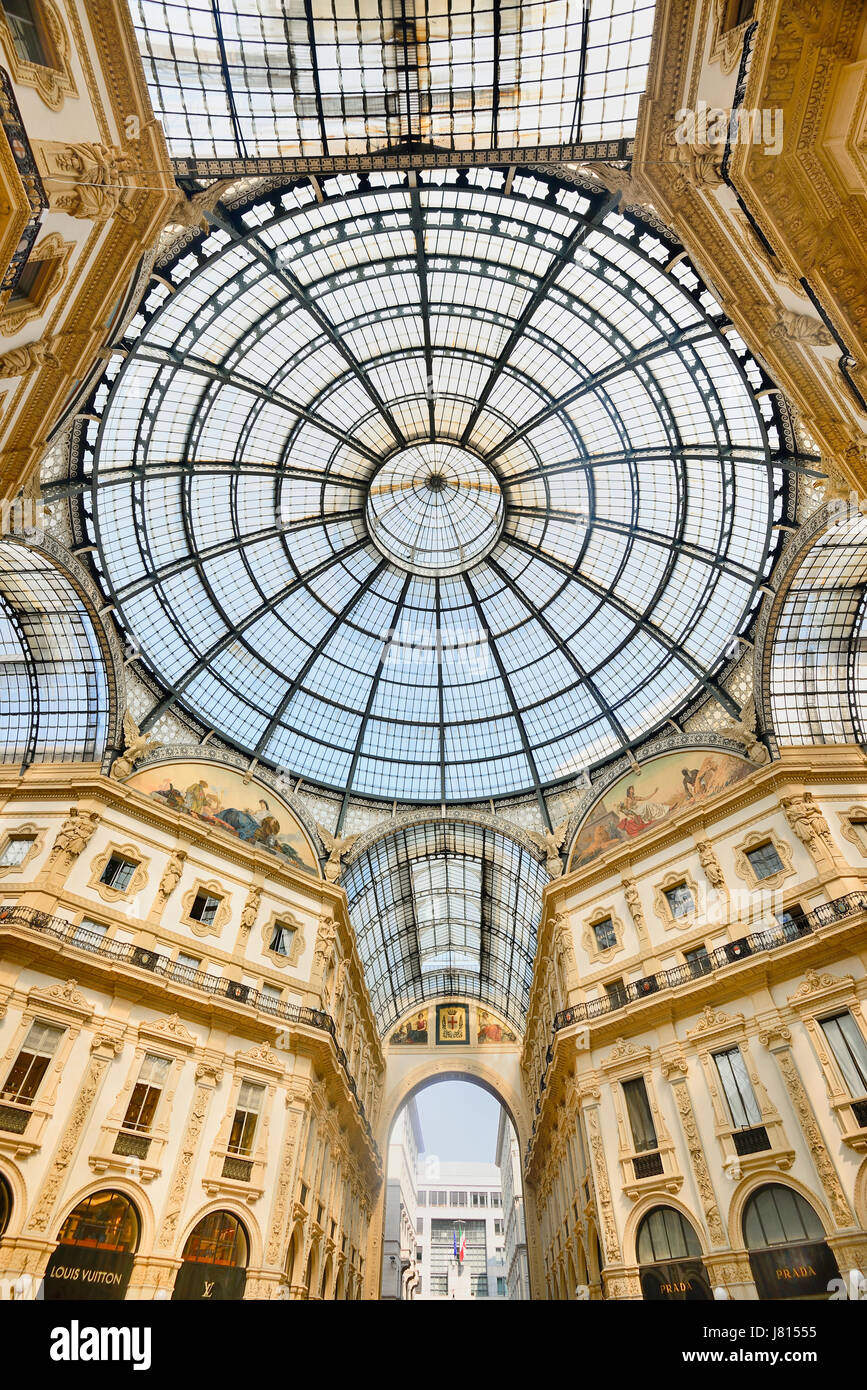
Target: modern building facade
401,1274
433,552
508,1161
464,1201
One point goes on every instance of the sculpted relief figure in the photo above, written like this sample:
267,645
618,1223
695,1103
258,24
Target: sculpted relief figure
172,875
94,184
74,834
711,865
551,842
338,847
808,823
136,745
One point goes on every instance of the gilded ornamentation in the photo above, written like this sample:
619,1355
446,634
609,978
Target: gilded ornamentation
840,1208
54,251
800,328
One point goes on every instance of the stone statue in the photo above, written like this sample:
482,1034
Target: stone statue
21,361
250,908
136,745
800,328
338,847
711,865
94,182
74,834
808,823
172,875
550,843
633,902
325,939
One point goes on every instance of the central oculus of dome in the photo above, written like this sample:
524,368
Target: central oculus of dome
434,508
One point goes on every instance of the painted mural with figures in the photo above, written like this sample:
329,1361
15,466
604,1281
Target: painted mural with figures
221,797
456,1024
640,801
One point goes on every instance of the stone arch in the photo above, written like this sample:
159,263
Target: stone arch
18,1195
861,1195
134,1194
327,1278
745,1190
294,1251
648,1204
242,1213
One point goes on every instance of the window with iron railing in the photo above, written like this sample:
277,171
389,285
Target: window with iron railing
846,1042
31,1064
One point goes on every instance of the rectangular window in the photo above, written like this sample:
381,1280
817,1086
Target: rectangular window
23,21
281,939
498,1228
16,850
496,1199
765,861
246,1118
501,1287
698,961
680,900
850,1050
31,1064
742,1103
270,997
422,1198
118,872
605,934
419,1226
146,1093
185,967
478,1199
793,920
89,935
616,993
204,908
640,1117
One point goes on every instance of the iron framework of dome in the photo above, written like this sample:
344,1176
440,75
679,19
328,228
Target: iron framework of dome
434,491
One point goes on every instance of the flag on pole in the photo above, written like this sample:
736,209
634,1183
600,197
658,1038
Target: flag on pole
455,1242
462,1248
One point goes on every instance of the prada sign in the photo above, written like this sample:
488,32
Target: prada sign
87,1272
794,1271
678,1281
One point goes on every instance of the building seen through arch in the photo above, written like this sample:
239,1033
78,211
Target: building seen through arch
433,563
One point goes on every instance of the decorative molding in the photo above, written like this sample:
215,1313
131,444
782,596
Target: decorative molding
661,906
221,916
132,854
36,835
287,919
53,84
745,870
169,1029
66,1149
74,835
588,936
813,986
52,250
714,1021
840,1209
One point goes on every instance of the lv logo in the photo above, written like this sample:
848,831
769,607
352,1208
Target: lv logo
209,1288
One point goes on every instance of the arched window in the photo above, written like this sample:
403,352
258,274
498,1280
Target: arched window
789,1255
95,1249
669,1253
5,1204
215,1260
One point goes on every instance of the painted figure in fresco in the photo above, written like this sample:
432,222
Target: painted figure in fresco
170,793
637,813
694,782
491,1030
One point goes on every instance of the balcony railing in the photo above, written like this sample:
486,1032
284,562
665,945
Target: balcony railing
779,935
159,964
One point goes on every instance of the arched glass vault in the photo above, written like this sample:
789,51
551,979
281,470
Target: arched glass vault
446,908
53,687
433,491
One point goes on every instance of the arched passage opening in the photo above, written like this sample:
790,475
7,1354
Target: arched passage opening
454,1225
789,1255
215,1260
96,1247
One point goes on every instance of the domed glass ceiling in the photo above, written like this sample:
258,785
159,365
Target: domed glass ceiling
433,492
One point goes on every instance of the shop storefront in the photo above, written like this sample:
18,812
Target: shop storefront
789,1255
669,1254
215,1260
95,1251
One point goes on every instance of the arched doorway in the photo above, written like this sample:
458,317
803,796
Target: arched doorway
326,1279
95,1251
670,1257
215,1260
789,1255
5,1204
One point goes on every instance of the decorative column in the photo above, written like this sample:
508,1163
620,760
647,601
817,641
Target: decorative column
159,1270
777,1039
281,1206
104,1048
618,1281
675,1072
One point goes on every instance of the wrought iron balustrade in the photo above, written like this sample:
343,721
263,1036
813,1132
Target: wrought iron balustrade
161,965
767,940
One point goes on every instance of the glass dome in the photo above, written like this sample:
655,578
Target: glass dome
434,492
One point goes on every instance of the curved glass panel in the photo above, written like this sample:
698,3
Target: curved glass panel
777,1215
442,909
107,1220
53,689
600,517
665,1234
818,673
254,77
